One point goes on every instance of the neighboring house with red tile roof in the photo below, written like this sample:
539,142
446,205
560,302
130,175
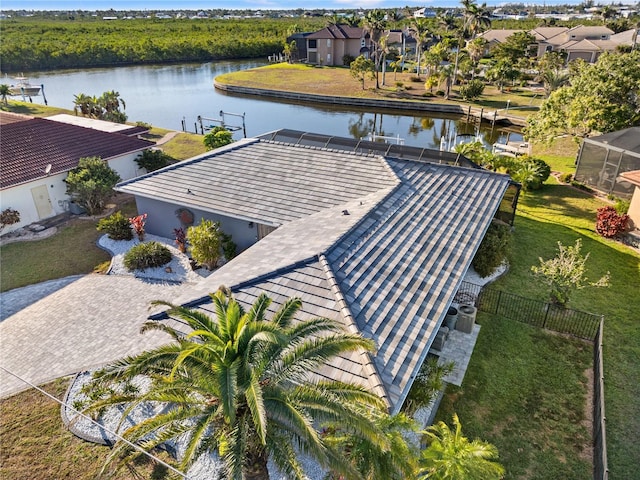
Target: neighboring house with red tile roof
37,153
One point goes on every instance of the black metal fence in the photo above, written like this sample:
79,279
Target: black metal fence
583,325
534,312
600,464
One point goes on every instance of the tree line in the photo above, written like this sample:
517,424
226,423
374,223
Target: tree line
41,44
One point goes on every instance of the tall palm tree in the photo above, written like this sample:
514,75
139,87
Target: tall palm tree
4,92
239,384
421,32
374,24
477,18
452,456
476,49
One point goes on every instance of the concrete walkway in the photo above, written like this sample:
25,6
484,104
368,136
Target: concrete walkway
73,324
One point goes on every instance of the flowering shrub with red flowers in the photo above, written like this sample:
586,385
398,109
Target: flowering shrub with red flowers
181,239
138,225
610,223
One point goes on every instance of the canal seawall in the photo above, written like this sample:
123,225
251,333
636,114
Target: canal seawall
487,115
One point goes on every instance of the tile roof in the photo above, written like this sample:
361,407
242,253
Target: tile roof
338,31
27,147
388,269
268,182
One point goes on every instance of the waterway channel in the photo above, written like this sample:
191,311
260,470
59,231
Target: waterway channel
174,95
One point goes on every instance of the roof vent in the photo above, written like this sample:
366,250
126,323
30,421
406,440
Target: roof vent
345,212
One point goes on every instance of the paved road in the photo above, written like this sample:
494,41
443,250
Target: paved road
75,324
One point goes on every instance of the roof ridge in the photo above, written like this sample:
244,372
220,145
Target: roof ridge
345,311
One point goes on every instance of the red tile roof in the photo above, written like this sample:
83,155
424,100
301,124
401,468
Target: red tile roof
27,147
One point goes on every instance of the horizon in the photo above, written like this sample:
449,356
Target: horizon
158,5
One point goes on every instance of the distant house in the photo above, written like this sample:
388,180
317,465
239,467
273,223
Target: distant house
378,237
425,13
585,42
37,153
330,45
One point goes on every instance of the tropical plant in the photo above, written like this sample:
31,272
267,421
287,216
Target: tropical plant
91,184
451,456
206,243
238,385
152,160
610,223
472,90
181,239
397,462
116,226
477,18
375,24
362,67
5,91
553,80
565,273
420,30
494,250
217,137
146,255
9,216
530,172
446,75
229,247
428,383
501,72
137,223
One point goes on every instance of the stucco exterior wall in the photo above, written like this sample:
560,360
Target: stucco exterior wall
126,166
162,219
634,208
20,198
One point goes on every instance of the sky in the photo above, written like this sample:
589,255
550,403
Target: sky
234,4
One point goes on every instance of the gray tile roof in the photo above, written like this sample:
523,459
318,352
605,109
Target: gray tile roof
389,269
268,182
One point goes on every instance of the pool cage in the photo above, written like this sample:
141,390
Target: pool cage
602,159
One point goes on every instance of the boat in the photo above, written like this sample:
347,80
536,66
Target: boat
24,88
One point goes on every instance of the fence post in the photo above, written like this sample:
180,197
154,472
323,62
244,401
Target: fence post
498,301
546,314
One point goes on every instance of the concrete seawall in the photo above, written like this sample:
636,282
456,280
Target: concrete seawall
398,105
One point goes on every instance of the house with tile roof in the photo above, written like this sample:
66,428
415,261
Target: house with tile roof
37,153
585,42
329,45
378,237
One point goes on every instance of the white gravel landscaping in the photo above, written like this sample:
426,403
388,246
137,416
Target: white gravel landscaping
177,270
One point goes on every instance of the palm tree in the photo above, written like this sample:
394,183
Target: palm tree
375,24
447,75
420,31
239,385
476,17
452,456
110,102
4,92
82,104
476,49
553,80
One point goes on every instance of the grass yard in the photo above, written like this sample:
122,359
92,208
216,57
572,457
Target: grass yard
339,82
71,251
535,363
37,446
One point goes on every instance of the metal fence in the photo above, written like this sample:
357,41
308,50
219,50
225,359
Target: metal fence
534,312
600,464
583,325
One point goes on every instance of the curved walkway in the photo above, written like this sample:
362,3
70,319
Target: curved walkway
76,323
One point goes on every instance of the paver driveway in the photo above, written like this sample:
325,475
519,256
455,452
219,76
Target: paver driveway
89,321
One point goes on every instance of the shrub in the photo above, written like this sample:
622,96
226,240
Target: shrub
206,243
181,239
217,137
146,255
228,246
494,249
91,184
427,384
610,223
472,90
439,93
416,79
9,216
530,172
565,177
622,206
399,84
116,226
137,223
152,160
347,59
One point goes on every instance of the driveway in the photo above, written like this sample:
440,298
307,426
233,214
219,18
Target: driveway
76,324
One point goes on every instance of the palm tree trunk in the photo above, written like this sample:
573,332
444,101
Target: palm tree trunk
257,466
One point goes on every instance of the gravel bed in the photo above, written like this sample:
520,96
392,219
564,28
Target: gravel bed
178,270
205,468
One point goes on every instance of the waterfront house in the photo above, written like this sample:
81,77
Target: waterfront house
377,236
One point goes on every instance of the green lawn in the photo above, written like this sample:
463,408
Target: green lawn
531,382
29,417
